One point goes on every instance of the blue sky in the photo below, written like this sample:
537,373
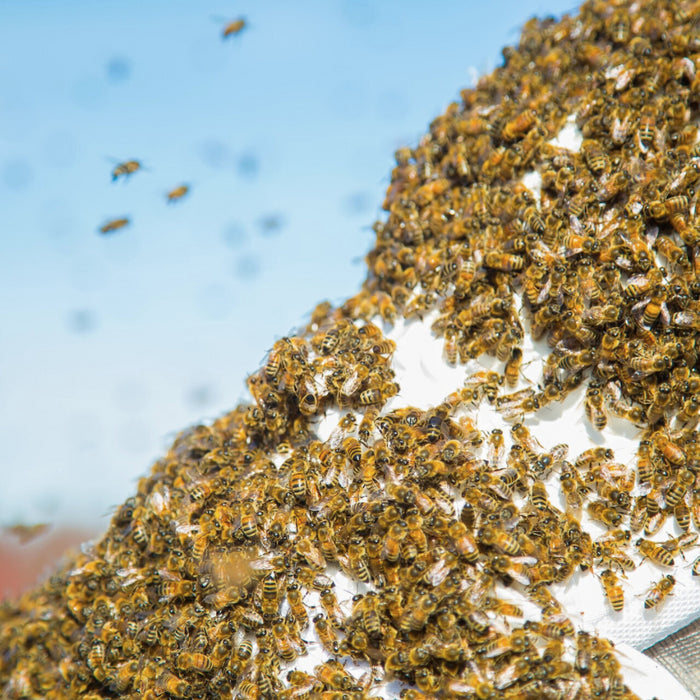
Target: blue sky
285,133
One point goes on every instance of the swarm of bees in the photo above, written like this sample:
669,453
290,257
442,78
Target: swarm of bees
220,573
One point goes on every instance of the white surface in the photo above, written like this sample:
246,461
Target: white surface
648,679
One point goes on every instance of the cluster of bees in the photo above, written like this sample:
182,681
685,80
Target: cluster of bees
220,573
604,257
125,170
224,570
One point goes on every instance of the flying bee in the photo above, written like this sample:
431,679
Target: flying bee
125,169
613,590
233,28
387,309
114,225
659,591
177,193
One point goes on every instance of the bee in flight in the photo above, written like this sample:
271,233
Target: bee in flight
178,193
114,225
233,28
125,169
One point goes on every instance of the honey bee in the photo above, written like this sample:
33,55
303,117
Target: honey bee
249,523
595,409
518,126
572,487
332,674
353,450
600,510
673,253
177,193
326,634
684,480
233,28
416,617
646,130
370,396
595,156
125,169
169,683
357,559
503,261
199,663
367,425
463,541
613,590
297,481
512,368
451,346
670,450
499,539
659,591
176,589
269,596
296,604
391,547
114,225
655,552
